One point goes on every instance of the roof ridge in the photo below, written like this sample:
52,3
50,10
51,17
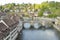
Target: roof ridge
4,23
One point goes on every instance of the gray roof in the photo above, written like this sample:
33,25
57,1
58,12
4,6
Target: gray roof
2,27
12,23
1,35
2,14
3,30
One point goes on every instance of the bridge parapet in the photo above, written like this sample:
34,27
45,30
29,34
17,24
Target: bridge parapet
57,23
40,20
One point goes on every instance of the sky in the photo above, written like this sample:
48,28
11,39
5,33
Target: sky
2,2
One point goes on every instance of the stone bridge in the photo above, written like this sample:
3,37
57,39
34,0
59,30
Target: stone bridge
41,21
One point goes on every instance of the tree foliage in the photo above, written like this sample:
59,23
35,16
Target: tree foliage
52,6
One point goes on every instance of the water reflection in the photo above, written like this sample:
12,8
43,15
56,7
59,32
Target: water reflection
48,34
41,34
27,25
36,25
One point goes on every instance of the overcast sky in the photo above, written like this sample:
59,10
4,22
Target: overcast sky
2,2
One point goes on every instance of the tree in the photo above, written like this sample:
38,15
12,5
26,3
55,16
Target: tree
40,13
57,12
1,8
52,15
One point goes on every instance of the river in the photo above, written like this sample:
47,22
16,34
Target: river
40,34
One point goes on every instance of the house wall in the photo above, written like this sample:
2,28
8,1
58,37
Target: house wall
13,34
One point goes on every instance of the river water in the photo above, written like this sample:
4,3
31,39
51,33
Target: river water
41,34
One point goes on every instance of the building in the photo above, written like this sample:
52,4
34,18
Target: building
2,14
46,13
9,27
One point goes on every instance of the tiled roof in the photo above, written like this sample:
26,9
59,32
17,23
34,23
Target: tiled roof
13,18
12,22
2,27
9,22
1,35
16,18
3,31
2,14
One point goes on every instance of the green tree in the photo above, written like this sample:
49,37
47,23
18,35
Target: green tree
40,13
52,15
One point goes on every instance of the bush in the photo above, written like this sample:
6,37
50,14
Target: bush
52,15
40,13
